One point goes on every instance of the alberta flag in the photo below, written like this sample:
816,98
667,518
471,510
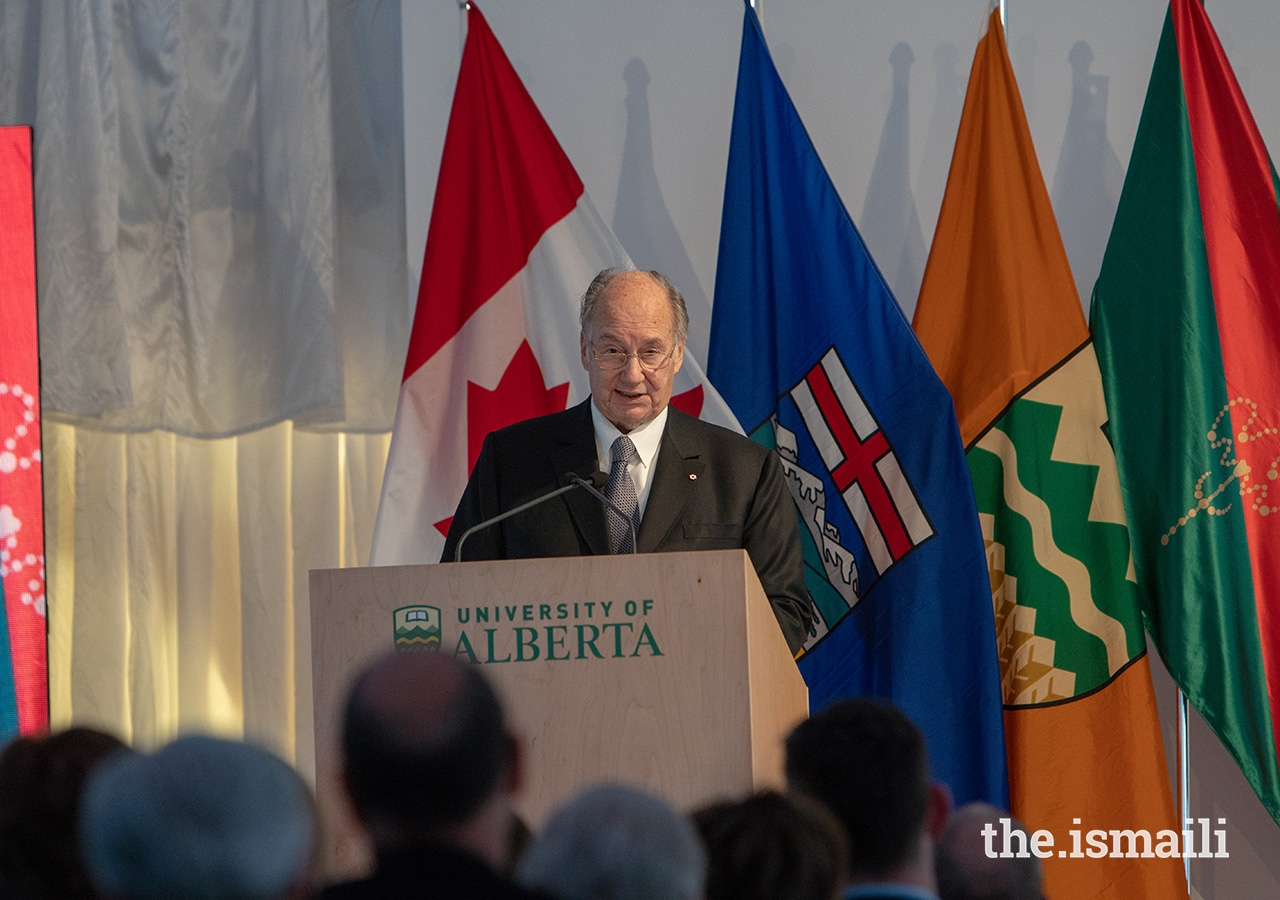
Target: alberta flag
513,242
1186,319
813,355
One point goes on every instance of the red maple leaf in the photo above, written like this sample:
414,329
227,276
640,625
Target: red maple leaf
689,402
521,394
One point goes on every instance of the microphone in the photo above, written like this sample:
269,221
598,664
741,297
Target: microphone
575,481
599,480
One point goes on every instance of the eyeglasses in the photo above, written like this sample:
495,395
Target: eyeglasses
651,359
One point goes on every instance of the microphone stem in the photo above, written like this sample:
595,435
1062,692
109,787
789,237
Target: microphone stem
457,552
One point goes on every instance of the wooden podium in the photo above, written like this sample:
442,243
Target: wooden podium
666,671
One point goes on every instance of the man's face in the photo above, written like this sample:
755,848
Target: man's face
632,316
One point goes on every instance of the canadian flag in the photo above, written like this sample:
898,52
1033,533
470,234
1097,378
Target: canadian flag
513,242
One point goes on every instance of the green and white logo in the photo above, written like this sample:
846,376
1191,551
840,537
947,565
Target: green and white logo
417,628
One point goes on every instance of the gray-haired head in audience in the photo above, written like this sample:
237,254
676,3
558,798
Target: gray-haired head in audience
202,818
618,843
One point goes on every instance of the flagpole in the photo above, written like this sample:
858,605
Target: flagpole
1184,779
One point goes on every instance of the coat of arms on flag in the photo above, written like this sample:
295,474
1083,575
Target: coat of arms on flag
862,463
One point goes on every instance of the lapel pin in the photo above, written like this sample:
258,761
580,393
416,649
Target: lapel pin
693,476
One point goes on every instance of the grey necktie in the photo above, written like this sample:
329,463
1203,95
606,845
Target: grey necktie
622,491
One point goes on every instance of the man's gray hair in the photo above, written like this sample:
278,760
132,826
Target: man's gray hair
595,290
203,818
617,843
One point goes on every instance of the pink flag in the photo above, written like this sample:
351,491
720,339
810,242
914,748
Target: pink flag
24,688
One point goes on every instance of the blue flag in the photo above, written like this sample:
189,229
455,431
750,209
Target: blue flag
815,358
8,696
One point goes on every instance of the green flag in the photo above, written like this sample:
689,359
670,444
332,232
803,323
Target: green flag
1186,317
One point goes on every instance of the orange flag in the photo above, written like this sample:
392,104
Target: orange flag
999,317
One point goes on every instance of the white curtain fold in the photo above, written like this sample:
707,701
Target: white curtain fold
178,575
219,187
222,276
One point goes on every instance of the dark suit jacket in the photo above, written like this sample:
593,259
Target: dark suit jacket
430,872
712,489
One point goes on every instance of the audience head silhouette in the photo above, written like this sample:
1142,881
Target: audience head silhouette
203,819
966,872
617,843
42,779
772,846
866,761
427,754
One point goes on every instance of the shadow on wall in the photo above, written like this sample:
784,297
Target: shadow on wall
641,220
1087,184
1024,50
889,222
940,141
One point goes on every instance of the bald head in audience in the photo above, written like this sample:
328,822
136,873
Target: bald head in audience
427,756
432,773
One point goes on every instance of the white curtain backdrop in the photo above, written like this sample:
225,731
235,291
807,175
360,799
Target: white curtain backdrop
191,160
222,277
178,575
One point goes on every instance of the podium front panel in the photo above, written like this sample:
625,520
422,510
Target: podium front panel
664,671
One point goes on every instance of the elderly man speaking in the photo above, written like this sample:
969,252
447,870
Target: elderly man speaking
684,484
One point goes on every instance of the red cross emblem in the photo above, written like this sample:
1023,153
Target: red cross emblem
861,461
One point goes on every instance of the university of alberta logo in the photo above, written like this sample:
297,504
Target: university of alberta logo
417,628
